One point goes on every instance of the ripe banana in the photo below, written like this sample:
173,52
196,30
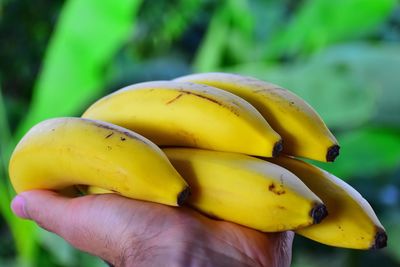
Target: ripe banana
246,190
191,115
303,132
351,222
60,153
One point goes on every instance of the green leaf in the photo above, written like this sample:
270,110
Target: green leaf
87,36
320,23
209,54
366,152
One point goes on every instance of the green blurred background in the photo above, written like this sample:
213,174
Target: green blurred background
342,56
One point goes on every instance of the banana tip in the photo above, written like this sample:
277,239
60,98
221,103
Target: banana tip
332,153
318,213
183,195
278,147
380,240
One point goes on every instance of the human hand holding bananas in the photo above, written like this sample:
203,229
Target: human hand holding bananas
128,232
219,118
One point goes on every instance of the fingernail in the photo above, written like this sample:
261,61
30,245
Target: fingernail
18,207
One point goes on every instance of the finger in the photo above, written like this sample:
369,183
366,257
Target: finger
283,248
101,225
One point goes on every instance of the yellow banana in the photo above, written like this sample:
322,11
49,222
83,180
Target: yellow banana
351,222
303,132
192,115
246,190
92,190
60,153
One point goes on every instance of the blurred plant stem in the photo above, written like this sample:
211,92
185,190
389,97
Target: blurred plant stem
5,141
209,54
23,231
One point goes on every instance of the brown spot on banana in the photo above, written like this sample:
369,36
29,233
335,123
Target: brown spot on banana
278,191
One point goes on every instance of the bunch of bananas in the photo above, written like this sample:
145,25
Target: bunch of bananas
224,144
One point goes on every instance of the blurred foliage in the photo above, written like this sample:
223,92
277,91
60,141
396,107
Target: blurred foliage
320,23
64,87
341,56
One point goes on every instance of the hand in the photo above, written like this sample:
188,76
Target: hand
128,232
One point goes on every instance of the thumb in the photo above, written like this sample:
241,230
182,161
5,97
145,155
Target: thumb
102,225
46,208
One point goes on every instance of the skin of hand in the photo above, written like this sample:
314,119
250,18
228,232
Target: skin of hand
126,232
